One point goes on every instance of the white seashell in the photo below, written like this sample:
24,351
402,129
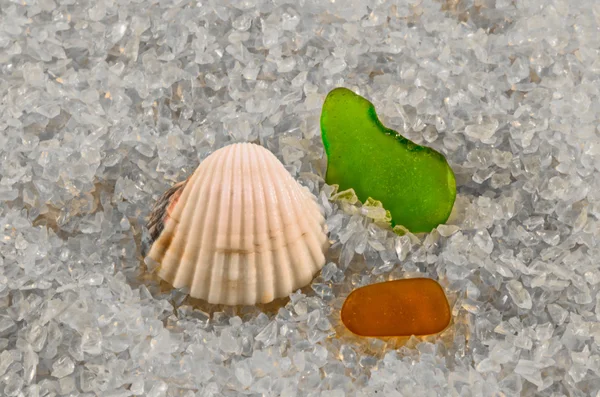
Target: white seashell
242,231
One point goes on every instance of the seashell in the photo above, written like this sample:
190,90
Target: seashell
240,230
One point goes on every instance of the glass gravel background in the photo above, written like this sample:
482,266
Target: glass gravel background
105,104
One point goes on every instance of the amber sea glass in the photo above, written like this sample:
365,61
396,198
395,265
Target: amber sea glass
415,183
416,306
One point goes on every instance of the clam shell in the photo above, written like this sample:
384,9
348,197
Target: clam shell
241,231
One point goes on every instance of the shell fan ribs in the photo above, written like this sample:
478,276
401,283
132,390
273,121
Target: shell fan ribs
241,231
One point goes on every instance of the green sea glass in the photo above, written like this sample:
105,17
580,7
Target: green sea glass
415,183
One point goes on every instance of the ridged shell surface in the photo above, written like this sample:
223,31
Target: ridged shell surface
243,231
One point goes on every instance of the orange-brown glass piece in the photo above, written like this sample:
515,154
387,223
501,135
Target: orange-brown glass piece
416,306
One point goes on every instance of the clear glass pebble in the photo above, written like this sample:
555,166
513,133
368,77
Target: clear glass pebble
62,367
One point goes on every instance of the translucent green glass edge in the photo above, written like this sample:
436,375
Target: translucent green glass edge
410,145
